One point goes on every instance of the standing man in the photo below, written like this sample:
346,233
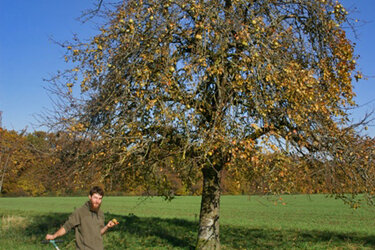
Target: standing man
88,223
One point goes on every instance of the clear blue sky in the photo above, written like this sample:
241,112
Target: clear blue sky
27,55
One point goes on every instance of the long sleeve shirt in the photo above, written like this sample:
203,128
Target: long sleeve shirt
87,225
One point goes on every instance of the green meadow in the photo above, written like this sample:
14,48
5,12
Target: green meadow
246,222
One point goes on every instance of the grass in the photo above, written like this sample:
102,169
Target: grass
247,222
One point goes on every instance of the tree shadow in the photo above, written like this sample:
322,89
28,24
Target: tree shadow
256,238
153,232
48,223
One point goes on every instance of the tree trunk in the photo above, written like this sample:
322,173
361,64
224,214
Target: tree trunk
2,176
208,234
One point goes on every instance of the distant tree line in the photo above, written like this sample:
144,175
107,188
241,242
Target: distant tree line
63,163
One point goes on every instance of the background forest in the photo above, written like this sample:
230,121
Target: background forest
41,163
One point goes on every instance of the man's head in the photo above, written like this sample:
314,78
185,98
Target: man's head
95,196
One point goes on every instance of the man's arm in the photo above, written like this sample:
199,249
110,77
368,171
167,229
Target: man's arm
58,233
73,220
110,224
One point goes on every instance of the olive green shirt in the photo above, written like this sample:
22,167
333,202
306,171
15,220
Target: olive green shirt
87,225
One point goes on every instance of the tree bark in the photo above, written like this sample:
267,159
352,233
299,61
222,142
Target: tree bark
208,234
2,176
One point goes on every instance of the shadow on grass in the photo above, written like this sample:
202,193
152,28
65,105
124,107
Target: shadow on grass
152,232
251,238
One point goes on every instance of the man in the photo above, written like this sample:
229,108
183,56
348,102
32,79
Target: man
88,222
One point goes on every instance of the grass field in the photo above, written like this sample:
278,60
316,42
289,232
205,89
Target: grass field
247,222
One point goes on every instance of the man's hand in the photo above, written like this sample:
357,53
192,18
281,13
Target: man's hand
112,223
50,237
59,233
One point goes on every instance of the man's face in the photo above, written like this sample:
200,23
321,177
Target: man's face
95,201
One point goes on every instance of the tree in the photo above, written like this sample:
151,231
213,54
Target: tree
70,154
12,158
4,159
22,164
197,86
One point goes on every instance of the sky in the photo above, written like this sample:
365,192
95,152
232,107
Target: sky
28,54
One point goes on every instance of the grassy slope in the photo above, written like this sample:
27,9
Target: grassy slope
250,222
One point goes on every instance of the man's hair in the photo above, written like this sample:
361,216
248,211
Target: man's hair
96,190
